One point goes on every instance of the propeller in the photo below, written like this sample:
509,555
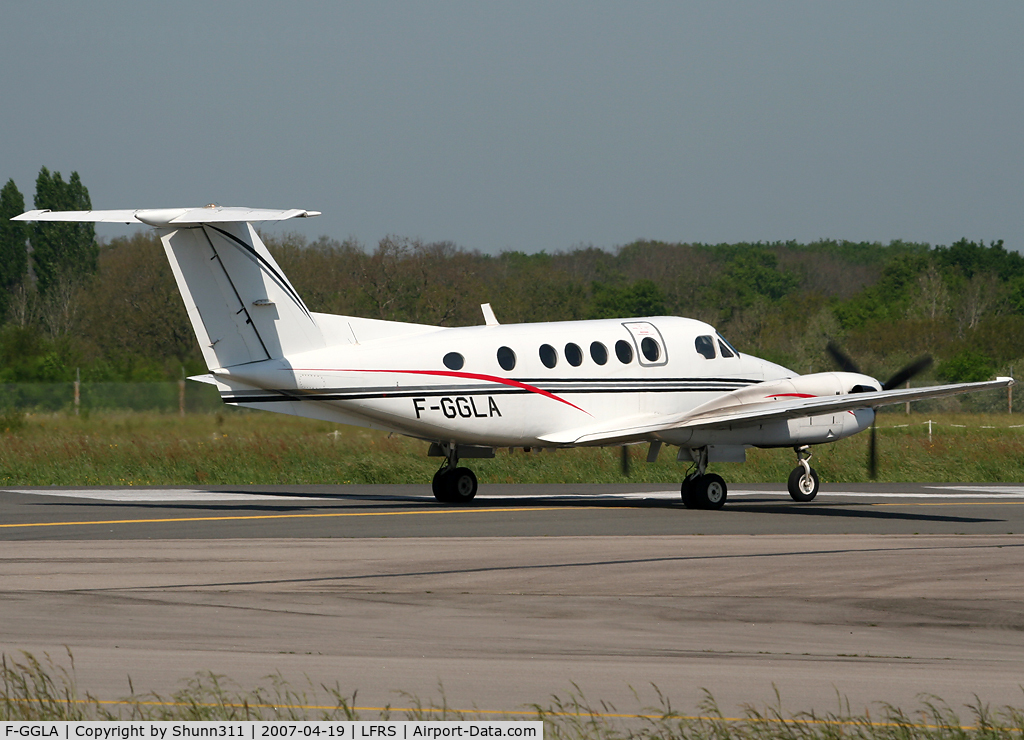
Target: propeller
847,365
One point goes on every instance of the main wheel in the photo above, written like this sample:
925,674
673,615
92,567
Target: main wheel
461,485
710,491
440,485
803,487
688,492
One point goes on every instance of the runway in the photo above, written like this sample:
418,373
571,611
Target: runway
878,592
500,511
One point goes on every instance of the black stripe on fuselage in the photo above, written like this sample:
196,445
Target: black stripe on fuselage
271,396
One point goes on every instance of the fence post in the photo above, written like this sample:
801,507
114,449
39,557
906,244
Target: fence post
78,389
181,393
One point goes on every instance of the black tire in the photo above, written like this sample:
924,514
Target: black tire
462,486
711,491
440,485
800,488
687,491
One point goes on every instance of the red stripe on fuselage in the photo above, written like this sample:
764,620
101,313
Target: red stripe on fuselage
798,395
454,374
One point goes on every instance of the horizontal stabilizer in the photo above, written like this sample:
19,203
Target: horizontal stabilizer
169,216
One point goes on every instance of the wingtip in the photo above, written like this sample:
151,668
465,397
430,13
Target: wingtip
30,215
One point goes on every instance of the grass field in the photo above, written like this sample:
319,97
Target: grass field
235,448
32,690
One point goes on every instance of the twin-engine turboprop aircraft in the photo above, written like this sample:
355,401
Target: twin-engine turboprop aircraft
662,380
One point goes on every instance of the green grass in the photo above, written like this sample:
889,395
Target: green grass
35,690
234,448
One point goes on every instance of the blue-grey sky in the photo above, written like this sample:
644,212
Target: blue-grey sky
533,125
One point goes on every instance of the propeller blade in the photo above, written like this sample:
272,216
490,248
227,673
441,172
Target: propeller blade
625,460
917,366
842,360
873,454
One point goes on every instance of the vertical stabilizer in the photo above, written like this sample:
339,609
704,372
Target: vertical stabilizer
242,307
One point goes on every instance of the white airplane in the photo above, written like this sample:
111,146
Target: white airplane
662,380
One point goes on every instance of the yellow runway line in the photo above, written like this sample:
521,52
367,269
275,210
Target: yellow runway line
286,516
960,503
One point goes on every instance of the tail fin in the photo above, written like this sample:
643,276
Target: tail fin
242,307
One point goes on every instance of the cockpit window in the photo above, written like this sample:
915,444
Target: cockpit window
727,349
705,346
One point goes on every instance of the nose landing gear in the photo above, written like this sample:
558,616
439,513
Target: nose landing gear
803,481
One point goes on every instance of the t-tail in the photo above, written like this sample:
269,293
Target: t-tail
242,307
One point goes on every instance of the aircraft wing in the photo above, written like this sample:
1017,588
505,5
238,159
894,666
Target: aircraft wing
169,216
629,429
794,408
642,427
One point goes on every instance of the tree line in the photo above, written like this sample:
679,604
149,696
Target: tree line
111,310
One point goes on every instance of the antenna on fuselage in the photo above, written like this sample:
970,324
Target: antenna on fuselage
489,318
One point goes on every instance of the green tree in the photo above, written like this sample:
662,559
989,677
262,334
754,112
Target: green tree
750,277
967,366
13,243
642,298
890,298
62,251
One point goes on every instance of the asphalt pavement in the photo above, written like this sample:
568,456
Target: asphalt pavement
873,592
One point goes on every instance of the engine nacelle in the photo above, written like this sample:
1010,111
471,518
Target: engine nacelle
784,432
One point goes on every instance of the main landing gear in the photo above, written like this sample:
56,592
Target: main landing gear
803,481
452,484
702,490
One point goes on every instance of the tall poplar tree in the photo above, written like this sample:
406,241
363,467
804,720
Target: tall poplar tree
13,242
65,251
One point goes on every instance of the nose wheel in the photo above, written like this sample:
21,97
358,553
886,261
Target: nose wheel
803,481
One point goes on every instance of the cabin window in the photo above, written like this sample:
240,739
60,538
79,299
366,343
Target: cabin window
548,355
727,349
454,361
624,351
598,353
705,346
651,349
573,354
506,358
